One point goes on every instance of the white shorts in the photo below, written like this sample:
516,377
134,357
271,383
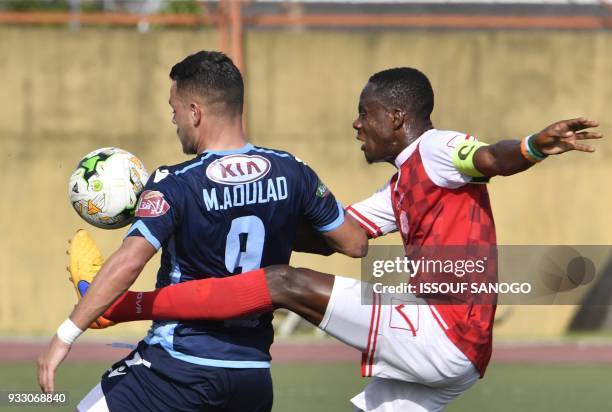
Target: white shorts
417,367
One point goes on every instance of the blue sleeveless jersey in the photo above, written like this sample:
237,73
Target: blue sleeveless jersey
221,214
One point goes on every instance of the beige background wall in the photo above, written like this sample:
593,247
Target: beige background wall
65,93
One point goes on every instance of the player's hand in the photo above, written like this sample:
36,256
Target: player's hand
567,135
49,361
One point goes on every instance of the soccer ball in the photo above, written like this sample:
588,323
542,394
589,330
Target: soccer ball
105,186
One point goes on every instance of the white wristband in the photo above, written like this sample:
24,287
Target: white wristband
68,332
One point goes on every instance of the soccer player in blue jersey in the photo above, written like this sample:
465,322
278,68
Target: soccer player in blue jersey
233,208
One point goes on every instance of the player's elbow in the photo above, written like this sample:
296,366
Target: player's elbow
358,252
356,246
349,239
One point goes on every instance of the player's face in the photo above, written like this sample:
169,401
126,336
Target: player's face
374,127
182,118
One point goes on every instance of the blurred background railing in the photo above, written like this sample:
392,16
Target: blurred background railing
230,17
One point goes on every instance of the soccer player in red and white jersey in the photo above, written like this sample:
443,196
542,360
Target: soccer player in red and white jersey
422,354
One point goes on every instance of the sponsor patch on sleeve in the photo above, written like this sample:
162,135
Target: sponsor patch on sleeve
152,204
322,190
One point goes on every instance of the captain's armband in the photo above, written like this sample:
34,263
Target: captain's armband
463,159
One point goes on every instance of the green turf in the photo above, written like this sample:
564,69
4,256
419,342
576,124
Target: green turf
318,387
539,388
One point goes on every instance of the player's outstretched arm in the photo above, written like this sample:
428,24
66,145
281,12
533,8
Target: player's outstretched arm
114,278
509,157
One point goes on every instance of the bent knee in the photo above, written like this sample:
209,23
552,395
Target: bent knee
284,283
277,274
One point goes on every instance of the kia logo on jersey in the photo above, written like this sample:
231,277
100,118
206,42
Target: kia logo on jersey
238,169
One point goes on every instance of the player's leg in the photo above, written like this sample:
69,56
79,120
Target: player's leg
128,384
300,290
333,303
415,366
150,380
303,291
330,302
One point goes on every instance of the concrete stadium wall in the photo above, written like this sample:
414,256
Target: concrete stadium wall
65,93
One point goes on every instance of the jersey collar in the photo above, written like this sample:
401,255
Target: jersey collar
244,149
409,150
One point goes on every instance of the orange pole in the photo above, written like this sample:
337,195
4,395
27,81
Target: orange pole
237,49
235,13
222,26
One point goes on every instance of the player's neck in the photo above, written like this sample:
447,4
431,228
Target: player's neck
222,135
415,130
410,135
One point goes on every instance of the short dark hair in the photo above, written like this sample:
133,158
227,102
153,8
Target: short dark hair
406,88
212,76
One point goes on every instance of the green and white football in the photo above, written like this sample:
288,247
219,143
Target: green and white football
105,186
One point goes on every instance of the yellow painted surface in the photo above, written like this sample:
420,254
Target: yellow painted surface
65,93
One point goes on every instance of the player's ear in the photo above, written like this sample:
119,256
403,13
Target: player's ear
196,114
398,117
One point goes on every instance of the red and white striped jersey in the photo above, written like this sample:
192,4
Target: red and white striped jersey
432,204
